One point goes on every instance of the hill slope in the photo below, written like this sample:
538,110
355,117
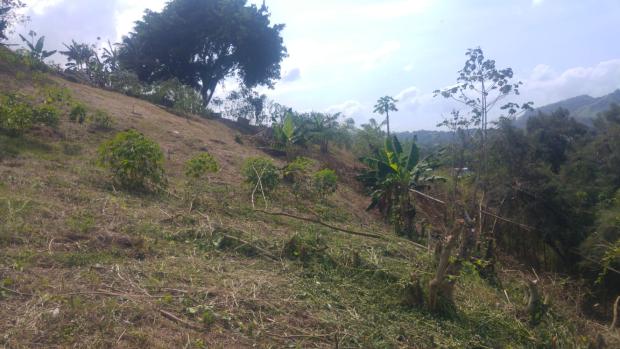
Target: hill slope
583,108
85,265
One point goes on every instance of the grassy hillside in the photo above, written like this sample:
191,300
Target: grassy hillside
84,264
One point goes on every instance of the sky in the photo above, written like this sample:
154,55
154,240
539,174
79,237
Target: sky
345,54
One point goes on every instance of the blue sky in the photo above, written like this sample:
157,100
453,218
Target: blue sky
345,54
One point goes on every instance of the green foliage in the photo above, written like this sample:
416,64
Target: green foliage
226,38
246,103
325,182
298,174
46,114
35,48
56,95
9,15
256,168
78,113
135,161
391,173
101,121
384,106
201,165
16,115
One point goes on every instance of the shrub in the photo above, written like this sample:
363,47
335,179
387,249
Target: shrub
78,113
60,96
46,114
256,167
200,165
325,182
15,114
101,121
135,161
298,174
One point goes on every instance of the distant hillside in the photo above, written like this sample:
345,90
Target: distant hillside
426,139
583,108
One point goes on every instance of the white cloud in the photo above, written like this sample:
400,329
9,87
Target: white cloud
545,86
291,75
537,2
373,58
408,68
349,108
390,9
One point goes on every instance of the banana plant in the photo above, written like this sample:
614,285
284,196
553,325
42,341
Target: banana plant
35,48
287,135
391,174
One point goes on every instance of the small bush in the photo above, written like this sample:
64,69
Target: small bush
78,113
200,165
298,174
325,182
253,168
101,121
135,161
15,114
46,114
60,96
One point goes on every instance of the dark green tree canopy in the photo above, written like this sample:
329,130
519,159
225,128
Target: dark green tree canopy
202,42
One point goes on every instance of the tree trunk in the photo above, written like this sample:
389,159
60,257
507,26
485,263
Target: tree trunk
387,119
439,288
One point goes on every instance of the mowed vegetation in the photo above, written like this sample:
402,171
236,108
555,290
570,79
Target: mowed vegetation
133,216
87,263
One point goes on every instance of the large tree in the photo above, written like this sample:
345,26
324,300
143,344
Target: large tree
202,42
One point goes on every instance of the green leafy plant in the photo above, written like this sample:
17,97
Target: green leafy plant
298,173
15,114
101,121
263,169
136,162
325,182
392,173
78,113
35,48
46,114
201,165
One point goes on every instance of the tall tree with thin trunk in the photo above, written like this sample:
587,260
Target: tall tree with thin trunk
383,107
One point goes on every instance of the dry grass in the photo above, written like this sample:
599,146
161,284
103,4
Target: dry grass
85,265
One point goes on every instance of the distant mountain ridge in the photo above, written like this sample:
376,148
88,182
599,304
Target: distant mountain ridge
583,108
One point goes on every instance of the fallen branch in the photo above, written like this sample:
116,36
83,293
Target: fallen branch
16,292
484,211
316,221
614,321
174,318
262,251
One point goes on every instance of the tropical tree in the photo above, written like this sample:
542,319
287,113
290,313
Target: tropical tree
110,56
323,128
383,107
390,176
482,87
78,55
288,134
203,42
8,15
35,48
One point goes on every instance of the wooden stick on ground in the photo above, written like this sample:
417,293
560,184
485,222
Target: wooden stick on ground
316,221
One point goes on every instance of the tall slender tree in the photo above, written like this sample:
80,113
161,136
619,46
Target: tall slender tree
383,107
